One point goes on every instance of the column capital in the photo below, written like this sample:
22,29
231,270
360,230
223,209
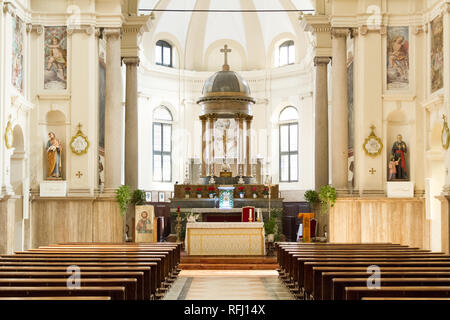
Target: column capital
248,118
211,116
240,116
321,60
339,32
131,61
203,118
112,32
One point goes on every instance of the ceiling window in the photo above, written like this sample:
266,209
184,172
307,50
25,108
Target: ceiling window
286,53
163,53
289,161
162,145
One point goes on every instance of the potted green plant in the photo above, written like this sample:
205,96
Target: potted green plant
123,197
312,197
270,228
327,197
139,197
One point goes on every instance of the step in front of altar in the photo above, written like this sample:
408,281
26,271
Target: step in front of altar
228,263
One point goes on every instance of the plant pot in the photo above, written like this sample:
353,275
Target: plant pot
187,196
211,196
255,196
270,237
266,196
199,196
241,195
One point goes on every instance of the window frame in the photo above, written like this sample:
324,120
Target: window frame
162,153
286,44
164,44
289,123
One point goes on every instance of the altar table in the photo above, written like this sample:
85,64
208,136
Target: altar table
225,238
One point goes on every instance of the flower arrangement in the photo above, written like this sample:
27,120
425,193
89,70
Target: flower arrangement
199,191
187,190
241,190
255,190
211,190
265,191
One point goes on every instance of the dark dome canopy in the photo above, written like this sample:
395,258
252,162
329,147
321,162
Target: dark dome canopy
226,81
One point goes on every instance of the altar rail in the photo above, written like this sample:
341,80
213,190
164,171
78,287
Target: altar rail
180,190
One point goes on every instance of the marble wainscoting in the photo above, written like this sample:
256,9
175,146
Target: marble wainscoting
75,219
380,220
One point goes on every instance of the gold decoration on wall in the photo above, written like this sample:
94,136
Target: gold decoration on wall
445,135
372,145
9,136
79,143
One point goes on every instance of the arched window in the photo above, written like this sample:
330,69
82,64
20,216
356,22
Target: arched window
287,53
163,53
288,144
162,145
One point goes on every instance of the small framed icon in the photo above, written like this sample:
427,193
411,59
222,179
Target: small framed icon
161,197
148,196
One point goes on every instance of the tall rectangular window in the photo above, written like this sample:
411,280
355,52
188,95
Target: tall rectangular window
162,152
289,152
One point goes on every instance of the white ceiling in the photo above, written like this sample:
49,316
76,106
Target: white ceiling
195,33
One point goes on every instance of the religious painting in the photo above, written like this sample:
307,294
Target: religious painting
55,61
145,224
437,54
54,152
101,124
161,197
148,196
224,141
397,58
351,123
17,54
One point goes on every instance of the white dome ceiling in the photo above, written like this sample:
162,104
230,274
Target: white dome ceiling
198,36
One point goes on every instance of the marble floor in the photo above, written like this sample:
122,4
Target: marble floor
228,285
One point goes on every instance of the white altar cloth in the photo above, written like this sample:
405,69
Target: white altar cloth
225,238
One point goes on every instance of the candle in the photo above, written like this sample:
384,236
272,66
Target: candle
250,215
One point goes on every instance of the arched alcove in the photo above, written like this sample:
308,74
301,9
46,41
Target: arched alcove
398,124
55,122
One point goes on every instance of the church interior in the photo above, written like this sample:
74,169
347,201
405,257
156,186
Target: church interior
219,150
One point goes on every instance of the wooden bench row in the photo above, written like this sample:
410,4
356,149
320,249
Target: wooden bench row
104,271
344,271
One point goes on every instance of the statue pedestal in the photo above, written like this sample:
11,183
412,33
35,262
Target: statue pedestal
53,188
400,189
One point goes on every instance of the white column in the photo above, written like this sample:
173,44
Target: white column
131,124
114,111
339,121
321,158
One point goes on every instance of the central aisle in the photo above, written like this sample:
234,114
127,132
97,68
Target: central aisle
228,285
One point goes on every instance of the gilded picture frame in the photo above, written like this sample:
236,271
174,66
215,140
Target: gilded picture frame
79,144
372,144
445,134
9,136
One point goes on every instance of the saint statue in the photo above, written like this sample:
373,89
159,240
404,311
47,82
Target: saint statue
54,149
399,151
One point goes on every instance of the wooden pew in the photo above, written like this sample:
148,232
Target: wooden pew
115,293
154,279
138,276
86,271
340,285
129,284
400,298
324,290
357,293
56,298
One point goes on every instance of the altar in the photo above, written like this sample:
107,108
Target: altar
229,238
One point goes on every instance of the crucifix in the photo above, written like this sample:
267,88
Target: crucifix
225,50
79,174
372,171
